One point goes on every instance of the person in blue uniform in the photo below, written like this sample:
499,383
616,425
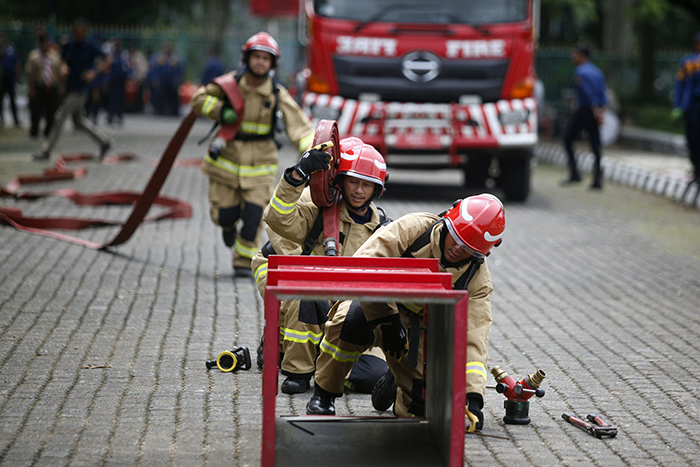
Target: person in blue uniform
686,103
10,75
214,67
589,84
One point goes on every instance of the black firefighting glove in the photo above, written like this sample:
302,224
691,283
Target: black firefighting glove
314,159
474,405
394,336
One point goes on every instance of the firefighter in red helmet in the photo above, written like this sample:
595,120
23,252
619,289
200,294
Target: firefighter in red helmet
242,171
460,238
360,177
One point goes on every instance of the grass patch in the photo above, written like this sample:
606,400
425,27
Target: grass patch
651,115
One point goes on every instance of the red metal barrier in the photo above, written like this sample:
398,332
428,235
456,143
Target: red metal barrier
437,439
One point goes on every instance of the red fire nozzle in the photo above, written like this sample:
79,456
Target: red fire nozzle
518,390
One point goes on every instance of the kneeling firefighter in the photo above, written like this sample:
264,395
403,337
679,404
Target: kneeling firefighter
360,177
242,165
460,238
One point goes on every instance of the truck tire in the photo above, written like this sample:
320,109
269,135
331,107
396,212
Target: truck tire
515,175
476,170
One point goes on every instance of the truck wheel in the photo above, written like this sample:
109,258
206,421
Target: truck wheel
515,176
476,170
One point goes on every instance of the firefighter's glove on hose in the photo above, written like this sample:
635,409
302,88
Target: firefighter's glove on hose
394,337
676,113
314,159
228,115
474,404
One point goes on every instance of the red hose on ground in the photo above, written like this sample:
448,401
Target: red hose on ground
142,201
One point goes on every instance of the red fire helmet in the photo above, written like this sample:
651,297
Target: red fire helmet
362,161
261,41
350,142
477,223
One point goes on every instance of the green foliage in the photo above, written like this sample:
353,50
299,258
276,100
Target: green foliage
654,115
654,11
582,10
133,12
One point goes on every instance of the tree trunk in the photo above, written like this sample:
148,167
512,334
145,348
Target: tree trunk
218,13
646,60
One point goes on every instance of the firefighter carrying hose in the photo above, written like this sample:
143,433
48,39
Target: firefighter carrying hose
243,171
461,239
360,177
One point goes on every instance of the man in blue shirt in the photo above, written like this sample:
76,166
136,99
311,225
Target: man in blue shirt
80,55
589,84
214,66
11,73
687,103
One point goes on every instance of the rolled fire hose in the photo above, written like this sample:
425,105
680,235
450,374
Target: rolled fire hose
323,193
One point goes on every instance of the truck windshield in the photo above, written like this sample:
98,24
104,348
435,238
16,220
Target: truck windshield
476,12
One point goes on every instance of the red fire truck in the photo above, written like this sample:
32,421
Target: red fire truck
439,83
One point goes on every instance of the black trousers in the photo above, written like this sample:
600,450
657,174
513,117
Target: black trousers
692,133
583,120
43,105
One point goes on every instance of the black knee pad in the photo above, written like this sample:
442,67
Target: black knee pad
356,330
365,373
251,216
229,216
314,311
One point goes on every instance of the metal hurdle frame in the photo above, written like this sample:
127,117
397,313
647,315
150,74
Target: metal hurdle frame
438,438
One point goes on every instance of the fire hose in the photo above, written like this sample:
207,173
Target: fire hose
142,201
323,193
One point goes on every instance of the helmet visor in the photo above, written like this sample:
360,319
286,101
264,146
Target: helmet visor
459,241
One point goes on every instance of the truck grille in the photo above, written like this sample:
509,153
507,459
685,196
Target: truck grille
384,76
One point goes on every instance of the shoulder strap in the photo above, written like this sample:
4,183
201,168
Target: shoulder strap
316,230
463,281
421,241
383,219
239,73
277,127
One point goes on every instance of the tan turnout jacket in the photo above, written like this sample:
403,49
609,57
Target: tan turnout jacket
392,241
246,164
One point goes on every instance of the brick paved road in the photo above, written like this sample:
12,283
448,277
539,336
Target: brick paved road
102,353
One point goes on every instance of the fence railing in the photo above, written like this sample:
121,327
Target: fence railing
191,44
555,69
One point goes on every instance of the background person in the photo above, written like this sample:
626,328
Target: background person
589,84
10,76
686,103
44,70
80,56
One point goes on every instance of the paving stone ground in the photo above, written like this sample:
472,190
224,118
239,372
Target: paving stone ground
102,353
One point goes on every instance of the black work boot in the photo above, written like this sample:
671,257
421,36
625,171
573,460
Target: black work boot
384,392
296,384
241,271
321,403
597,180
